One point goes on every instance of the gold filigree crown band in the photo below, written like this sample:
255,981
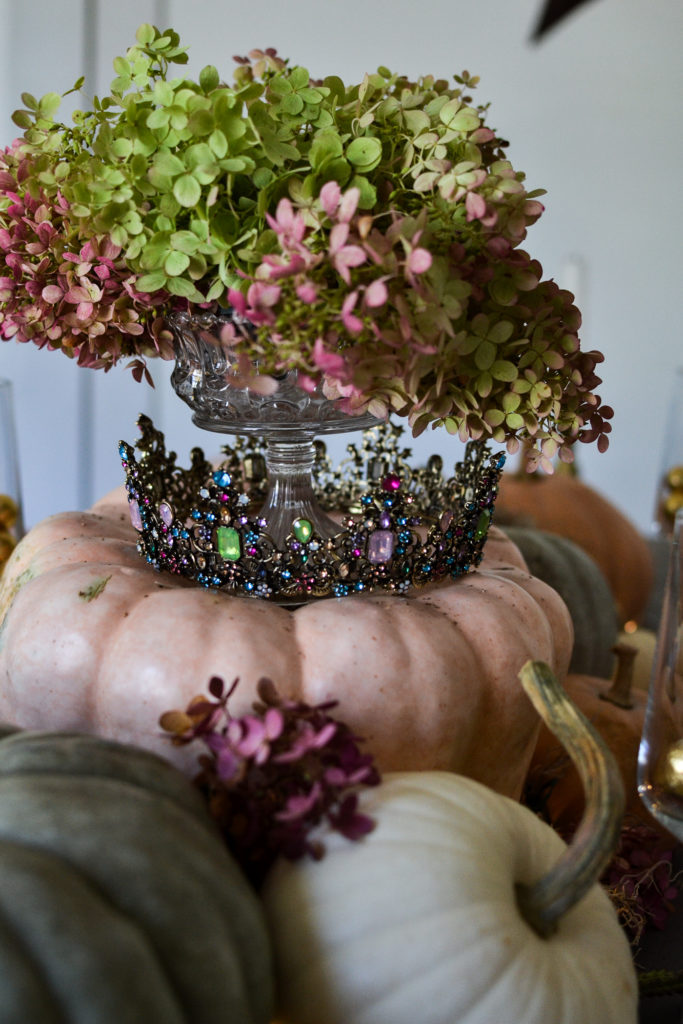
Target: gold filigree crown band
400,527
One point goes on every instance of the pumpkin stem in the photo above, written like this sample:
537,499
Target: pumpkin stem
583,862
619,692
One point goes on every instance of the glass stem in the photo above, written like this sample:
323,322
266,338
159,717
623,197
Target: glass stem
290,489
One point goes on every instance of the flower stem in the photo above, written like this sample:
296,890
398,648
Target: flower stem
544,902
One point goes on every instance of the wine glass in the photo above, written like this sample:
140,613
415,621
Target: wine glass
660,758
11,522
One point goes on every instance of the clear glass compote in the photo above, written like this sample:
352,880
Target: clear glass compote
660,759
207,378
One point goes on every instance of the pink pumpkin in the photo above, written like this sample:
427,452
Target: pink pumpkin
94,640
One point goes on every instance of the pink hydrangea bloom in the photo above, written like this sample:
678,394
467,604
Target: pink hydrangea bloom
272,775
329,362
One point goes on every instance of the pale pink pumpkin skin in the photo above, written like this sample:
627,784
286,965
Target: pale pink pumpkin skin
95,640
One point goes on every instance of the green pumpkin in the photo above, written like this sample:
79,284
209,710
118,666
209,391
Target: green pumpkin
119,902
579,581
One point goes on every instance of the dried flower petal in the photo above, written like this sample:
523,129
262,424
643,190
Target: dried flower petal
641,881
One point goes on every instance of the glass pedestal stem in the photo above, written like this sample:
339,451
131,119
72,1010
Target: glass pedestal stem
290,488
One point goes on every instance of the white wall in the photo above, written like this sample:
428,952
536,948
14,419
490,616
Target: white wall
594,115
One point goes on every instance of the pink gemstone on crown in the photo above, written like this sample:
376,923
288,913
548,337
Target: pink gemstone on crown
446,520
391,482
135,517
166,513
380,546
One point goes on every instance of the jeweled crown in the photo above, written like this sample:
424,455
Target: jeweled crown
400,527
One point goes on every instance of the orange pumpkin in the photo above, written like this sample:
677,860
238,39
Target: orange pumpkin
95,640
563,504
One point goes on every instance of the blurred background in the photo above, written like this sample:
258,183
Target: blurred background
593,113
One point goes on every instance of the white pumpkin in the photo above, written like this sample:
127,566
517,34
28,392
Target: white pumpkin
462,907
419,921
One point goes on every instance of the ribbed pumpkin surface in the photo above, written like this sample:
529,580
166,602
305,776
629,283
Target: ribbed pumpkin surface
118,901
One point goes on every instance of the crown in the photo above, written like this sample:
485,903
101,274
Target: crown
400,527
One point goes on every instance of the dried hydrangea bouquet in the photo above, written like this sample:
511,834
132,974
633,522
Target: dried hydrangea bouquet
370,233
313,254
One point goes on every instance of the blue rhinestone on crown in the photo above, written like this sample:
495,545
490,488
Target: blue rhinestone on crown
401,527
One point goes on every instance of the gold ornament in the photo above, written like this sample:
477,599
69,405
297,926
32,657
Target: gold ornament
673,502
671,496
670,769
7,544
674,478
9,511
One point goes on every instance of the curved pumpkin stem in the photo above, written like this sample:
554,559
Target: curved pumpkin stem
583,862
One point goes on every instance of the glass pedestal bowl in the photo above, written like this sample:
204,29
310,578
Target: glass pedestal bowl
207,378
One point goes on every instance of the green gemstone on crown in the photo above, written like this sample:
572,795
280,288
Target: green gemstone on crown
483,523
228,541
302,530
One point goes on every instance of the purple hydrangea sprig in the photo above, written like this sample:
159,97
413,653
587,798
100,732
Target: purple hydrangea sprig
272,776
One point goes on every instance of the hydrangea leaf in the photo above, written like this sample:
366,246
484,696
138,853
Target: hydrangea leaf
151,282
337,170
200,122
218,143
176,263
209,78
292,104
364,152
327,146
187,190
485,355
299,78
145,34
503,370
